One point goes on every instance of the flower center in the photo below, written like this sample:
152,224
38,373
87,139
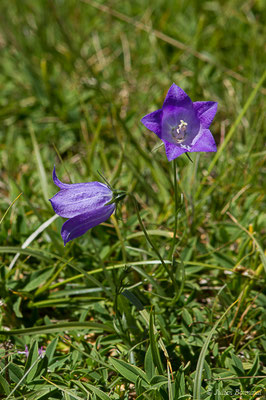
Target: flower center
179,132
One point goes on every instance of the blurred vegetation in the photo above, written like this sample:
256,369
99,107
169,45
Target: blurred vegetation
76,77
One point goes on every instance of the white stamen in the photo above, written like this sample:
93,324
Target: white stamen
179,133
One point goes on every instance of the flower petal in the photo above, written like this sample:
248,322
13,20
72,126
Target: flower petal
152,122
80,224
177,97
61,185
205,142
206,111
173,151
172,116
80,199
58,183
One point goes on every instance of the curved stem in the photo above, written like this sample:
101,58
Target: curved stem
120,237
169,272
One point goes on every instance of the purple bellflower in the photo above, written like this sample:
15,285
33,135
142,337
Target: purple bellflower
85,204
182,125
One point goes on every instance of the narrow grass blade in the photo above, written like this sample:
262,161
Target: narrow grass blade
154,346
233,129
61,327
65,391
169,384
42,174
32,237
200,364
24,376
28,252
133,299
3,217
262,255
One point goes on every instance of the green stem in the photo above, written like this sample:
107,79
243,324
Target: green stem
107,274
169,272
120,237
176,210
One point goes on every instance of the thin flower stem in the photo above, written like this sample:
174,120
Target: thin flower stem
107,274
176,209
169,272
120,237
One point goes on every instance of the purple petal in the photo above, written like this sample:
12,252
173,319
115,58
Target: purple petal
80,224
152,122
206,111
80,198
177,97
205,142
173,151
62,185
58,183
171,119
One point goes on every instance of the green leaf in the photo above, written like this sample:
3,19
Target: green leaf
200,364
255,367
42,174
60,327
237,365
187,317
28,252
154,346
15,372
5,385
16,307
49,352
133,299
39,280
33,356
129,371
97,391
148,363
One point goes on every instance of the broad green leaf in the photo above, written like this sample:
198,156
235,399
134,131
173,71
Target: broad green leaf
148,364
129,371
39,280
15,372
50,350
32,357
5,385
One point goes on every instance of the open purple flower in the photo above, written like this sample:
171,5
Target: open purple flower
85,204
182,125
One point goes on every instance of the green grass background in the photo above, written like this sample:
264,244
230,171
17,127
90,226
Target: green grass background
76,77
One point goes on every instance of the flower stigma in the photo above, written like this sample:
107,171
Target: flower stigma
179,133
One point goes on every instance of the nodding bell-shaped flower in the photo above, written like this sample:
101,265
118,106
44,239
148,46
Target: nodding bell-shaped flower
182,125
85,204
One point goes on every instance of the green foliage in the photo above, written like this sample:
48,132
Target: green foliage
76,77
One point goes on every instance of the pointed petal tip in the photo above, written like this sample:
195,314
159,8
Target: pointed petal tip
58,183
55,179
177,97
205,143
173,151
152,121
206,111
